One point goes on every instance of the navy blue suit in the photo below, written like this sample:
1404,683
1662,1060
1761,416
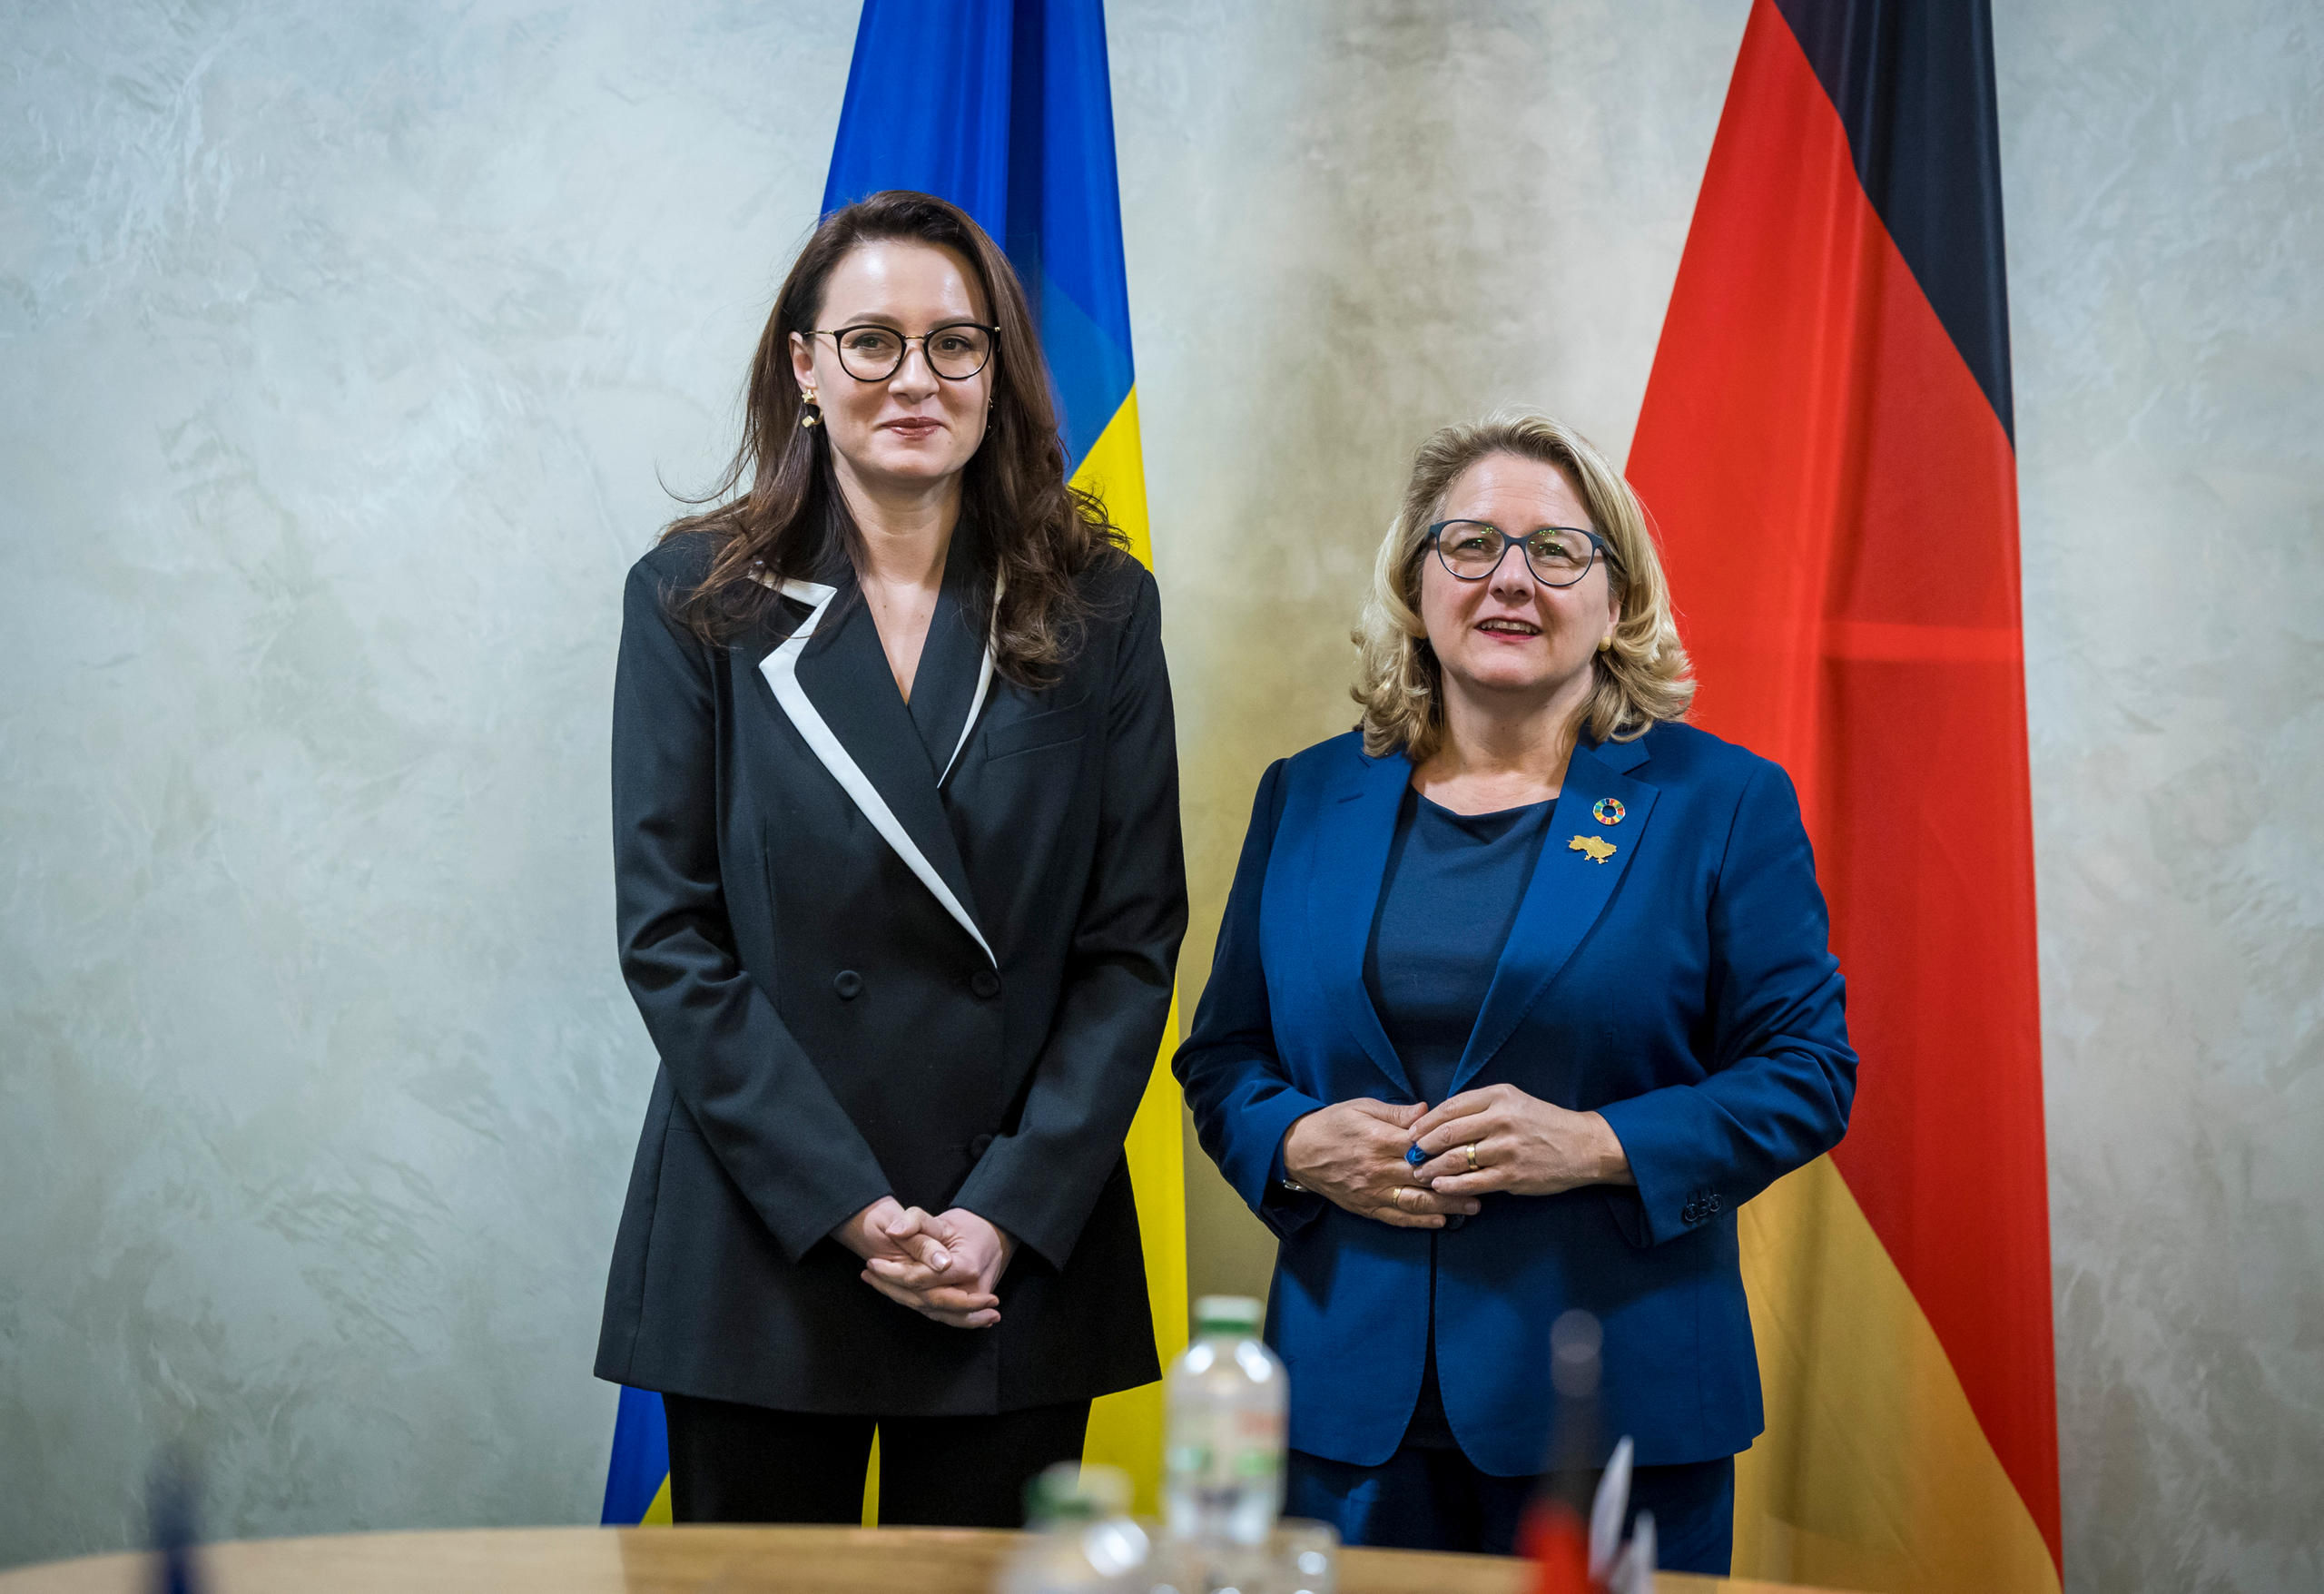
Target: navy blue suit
1682,986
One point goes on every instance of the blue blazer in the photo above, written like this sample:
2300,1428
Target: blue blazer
1682,986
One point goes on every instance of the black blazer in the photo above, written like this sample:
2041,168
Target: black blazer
921,950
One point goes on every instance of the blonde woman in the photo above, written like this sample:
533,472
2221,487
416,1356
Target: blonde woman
1523,990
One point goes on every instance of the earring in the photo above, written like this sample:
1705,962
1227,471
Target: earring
808,415
1605,645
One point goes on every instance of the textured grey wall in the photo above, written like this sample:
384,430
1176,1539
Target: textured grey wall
339,347
2164,174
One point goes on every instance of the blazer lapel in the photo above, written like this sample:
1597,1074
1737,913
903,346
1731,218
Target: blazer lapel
955,673
831,677
1571,887
1351,853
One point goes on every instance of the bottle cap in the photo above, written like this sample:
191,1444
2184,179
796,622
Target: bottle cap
1226,1315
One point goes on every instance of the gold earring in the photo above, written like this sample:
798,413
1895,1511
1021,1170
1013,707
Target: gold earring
808,416
1605,645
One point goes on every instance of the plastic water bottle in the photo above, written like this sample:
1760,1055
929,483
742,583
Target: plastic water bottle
1223,1462
1084,1540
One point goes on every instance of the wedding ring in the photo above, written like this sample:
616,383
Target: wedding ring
1471,1149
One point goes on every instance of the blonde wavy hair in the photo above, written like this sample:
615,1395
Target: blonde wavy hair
1641,681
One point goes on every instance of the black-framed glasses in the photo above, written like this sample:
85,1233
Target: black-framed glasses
871,353
1471,550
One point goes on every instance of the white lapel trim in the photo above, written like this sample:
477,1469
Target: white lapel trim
984,686
781,669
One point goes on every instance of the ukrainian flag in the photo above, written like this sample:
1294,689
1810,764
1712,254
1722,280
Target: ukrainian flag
1005,108
637,1484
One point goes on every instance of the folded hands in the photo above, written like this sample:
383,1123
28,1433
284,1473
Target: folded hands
946,1265
1355,1153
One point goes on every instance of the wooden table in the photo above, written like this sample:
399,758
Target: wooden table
698,1561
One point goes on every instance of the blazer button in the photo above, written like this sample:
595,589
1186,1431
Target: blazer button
849,984
985,983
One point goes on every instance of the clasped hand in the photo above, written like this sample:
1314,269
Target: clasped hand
946,1266
1353,1154
1500,1139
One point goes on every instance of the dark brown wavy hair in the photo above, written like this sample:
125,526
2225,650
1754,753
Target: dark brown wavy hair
779,513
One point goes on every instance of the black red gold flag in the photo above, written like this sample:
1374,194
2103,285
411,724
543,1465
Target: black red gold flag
1827,449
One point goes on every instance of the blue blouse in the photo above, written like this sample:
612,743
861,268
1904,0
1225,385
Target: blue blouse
1450,891
1447,901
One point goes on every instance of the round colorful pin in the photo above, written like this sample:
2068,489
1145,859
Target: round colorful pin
1607,811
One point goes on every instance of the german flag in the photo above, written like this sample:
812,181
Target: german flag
1827,447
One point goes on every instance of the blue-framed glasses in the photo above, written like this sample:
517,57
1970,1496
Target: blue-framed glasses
1471,550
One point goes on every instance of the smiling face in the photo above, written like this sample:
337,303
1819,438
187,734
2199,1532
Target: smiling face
1510,636
914,430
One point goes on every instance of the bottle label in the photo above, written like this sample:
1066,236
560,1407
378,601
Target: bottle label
1244,1447
1189,1460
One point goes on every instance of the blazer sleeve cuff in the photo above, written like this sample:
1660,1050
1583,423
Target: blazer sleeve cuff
1284,1210
800,1231
993,1195
1675,1193
1255,1166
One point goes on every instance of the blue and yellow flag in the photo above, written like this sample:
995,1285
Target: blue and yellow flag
637,1484
1005,108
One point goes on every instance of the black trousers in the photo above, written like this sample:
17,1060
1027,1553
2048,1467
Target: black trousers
736,1463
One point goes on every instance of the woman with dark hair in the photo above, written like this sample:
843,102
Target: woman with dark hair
899,892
